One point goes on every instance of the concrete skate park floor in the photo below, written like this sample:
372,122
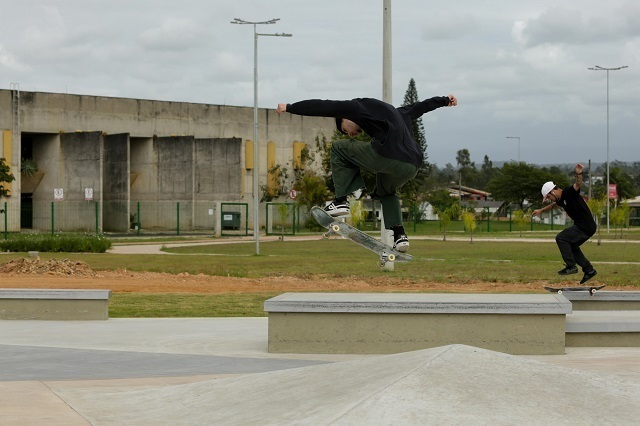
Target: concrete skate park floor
218,371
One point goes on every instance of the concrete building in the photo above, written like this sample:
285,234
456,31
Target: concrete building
103,160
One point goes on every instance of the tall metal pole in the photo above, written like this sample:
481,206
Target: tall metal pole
256,196
599,68
516,137
256,152
387,96
386,53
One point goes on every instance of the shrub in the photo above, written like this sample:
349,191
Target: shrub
59,243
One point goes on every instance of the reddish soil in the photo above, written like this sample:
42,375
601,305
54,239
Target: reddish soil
37,273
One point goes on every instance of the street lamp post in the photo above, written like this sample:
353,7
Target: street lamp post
599,68
516,137
256,202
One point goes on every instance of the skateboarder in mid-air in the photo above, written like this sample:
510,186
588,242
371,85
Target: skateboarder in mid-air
393,154
570,239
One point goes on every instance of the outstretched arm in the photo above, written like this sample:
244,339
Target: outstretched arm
420,108
578,182
544,209
320,108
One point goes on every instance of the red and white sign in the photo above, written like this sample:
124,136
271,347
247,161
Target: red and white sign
613,190
58,194
293,194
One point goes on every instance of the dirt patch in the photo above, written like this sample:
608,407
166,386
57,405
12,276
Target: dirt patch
37,273
49,267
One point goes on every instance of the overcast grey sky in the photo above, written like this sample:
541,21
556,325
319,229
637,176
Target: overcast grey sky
518,68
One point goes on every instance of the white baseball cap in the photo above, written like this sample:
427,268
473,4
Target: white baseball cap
546,189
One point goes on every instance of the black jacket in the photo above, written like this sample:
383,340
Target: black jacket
388,126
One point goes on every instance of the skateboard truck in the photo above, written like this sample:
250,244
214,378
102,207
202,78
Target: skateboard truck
333,230
386,257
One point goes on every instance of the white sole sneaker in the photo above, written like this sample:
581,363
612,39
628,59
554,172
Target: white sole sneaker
402,247
337,211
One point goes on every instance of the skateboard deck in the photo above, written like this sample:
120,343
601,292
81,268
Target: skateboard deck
386,253
590,289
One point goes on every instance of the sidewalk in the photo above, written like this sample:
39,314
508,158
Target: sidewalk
87,372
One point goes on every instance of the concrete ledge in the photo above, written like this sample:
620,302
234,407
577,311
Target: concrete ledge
376,323
603,328
46,304
604,300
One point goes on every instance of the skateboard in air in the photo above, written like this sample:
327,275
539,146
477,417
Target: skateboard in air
590,289
336,227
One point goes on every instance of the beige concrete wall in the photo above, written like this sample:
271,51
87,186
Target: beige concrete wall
381,333
604,339
58,310
47,115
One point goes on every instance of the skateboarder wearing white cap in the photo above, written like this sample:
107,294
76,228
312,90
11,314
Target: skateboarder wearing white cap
570,239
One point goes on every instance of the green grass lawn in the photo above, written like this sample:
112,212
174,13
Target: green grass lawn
456,262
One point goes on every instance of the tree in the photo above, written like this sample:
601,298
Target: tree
445,217
470,224
411,192
357,213
283,214
619,217
624,182
486,172
597,207
522,219
417,128
517,182
466,168
440,199
5,177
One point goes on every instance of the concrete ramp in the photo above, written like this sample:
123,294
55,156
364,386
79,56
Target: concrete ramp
448,385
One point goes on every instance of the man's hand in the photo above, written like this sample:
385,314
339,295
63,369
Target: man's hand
536,212
579,168
453,101
281,108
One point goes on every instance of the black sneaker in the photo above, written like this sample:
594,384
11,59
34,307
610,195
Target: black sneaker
568,270
588,275
338,208
401,243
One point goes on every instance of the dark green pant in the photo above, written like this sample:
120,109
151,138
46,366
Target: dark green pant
349,156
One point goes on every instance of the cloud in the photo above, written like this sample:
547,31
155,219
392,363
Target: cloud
449,25
174,34
9,61
559,25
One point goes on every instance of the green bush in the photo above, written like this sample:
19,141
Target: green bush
59,243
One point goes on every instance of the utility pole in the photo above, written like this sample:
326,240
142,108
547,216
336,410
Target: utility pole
256,197
599,68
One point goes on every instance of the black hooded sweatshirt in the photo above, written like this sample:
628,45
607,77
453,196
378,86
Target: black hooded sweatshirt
573,203
388,126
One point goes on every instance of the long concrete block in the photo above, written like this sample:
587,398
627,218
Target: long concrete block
376,323
54,304
603,329
604,300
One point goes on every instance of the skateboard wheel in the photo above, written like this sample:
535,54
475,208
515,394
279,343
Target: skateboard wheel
391,257
335,228
559,291
593,291
381,263
326,235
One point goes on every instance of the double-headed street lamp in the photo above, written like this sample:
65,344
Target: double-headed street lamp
599,68
256,202
516,137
